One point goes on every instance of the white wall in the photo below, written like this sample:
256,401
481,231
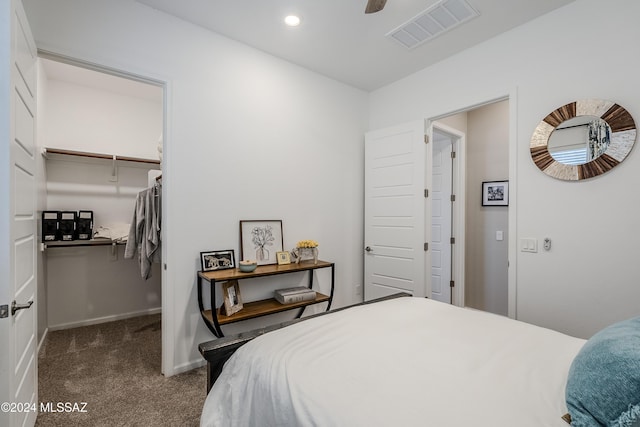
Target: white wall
94,119
589,278
86,285
248,136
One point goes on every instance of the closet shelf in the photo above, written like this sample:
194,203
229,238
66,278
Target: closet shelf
62,154
92,242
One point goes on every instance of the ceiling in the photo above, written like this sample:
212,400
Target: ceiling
337,39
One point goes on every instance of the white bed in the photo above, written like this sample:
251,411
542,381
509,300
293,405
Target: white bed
401,362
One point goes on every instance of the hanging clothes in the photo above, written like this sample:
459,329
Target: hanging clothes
144,234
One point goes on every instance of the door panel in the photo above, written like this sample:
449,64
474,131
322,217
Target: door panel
24,125
394,211
398,208
18,376
25,52
392,236
441,220
24,250
380,291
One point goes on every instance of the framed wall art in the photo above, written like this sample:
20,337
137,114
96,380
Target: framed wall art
232,298
217,260
495,193
261,240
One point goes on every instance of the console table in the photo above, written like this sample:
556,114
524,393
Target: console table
213,319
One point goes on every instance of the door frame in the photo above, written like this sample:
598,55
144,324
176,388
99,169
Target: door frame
458,188
167,315
512,97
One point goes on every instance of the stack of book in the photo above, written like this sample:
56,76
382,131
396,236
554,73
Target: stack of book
293,295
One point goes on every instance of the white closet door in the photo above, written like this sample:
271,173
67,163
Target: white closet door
18,359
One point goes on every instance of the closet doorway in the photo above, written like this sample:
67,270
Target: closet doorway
477,261
100,132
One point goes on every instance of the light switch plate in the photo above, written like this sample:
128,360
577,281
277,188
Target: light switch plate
529,245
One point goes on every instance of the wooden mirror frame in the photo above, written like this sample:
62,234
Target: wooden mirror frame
623,137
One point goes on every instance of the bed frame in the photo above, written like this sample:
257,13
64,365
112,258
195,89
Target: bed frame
218,351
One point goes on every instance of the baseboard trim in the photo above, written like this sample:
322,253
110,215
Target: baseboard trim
44,335
104,319
194,364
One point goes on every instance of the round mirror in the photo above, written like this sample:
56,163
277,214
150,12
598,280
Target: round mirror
583,139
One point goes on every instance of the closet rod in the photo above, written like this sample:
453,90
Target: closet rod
98,156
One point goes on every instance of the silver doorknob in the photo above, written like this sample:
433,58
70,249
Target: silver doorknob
368,249
15,306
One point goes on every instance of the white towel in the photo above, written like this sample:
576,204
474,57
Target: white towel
118,232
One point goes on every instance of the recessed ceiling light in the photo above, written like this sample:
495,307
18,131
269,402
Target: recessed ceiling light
292,20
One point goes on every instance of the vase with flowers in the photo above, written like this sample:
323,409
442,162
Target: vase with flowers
306,249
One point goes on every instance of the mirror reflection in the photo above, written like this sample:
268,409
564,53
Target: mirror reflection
579,140
583,139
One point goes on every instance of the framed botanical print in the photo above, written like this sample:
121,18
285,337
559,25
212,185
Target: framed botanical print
261,240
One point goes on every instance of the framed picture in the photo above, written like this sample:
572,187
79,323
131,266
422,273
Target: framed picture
217,260
261,240
283,257
495,193
232,299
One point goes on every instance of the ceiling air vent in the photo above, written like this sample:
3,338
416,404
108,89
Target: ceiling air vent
442,16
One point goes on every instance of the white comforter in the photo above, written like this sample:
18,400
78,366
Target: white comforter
403,362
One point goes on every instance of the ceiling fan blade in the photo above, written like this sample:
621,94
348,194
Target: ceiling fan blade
374,6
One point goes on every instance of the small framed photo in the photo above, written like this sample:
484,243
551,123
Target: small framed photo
232,299
217,260
261,240
283,257
495,193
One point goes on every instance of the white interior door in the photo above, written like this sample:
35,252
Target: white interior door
395,257
452,217
441,218
18,366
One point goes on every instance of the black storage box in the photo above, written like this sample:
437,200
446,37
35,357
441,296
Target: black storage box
50,230
67,225
84,228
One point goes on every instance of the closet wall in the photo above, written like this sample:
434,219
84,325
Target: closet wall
94,112
486,268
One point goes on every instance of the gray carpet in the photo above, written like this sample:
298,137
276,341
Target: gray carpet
115,368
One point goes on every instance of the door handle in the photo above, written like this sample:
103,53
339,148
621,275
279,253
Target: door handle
15,306
368,249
